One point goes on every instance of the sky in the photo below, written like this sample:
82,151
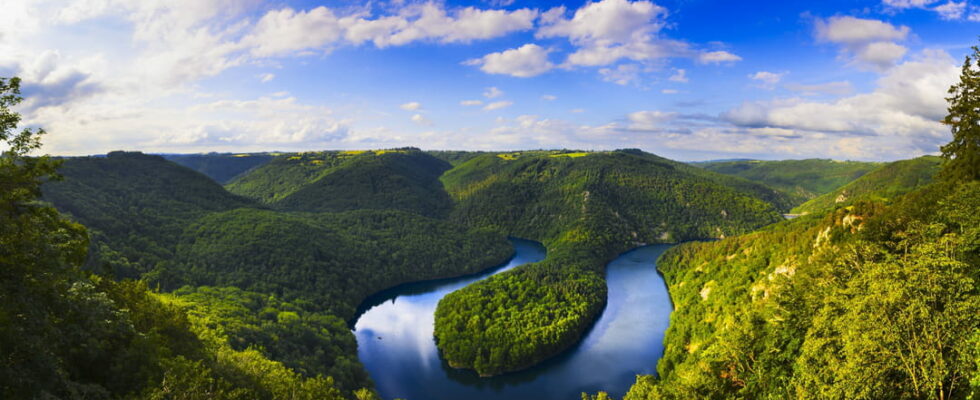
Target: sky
685,79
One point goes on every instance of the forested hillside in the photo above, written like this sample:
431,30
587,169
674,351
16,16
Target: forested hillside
135,205
258,283
400,179
585,208
222,167
65,333
801,180
883,183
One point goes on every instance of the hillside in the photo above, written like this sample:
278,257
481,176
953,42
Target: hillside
801,180
222,167
585,208
176,229
135,205
883,183
333,260
869,301
401,179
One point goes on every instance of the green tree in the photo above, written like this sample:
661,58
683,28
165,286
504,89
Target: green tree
963,152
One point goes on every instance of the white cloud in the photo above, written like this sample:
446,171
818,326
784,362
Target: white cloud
607,31
623,74
286,31
841,88
471,103
951,10
266,77
411,106
869,42
421,120
718,57
493,92
679,75
649,120
905,107
766,79
497,105
549,97
523,62
669,91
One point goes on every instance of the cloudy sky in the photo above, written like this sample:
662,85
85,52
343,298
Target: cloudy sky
686,79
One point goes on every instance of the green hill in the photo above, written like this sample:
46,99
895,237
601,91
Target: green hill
802,180
585,208
869,301
401,179
222,167
334,260
883,183
178,230
136,205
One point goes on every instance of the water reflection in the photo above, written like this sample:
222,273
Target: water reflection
396,345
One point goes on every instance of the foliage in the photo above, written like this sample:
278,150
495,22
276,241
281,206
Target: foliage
66,334
331,260
136,205
585,209
869,301
221,167
801,180
405,179
881,184
962,154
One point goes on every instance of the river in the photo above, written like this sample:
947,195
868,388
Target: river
395,342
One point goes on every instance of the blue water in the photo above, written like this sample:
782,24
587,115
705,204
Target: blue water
395,342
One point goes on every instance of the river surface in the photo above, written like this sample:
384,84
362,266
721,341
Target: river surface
395,342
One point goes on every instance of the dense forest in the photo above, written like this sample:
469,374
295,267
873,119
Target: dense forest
883,183
800,180
586,208
870,297
222,167
271,286
398,179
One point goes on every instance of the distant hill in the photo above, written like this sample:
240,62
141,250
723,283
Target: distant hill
222,167
585,207
801,180
884,183
136,204
400,179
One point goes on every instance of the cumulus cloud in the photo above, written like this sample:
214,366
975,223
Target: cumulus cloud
623,74
493,92
266,77
841,88
421,119
718,57
471,103
867,42
287,31
905,107
649,120
497,105
523,62
411,106
950,10
679,75
608,31
549,97
766,79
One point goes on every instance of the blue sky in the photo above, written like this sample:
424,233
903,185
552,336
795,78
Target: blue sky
686,79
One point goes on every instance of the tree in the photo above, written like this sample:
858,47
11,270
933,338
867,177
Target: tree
963,153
